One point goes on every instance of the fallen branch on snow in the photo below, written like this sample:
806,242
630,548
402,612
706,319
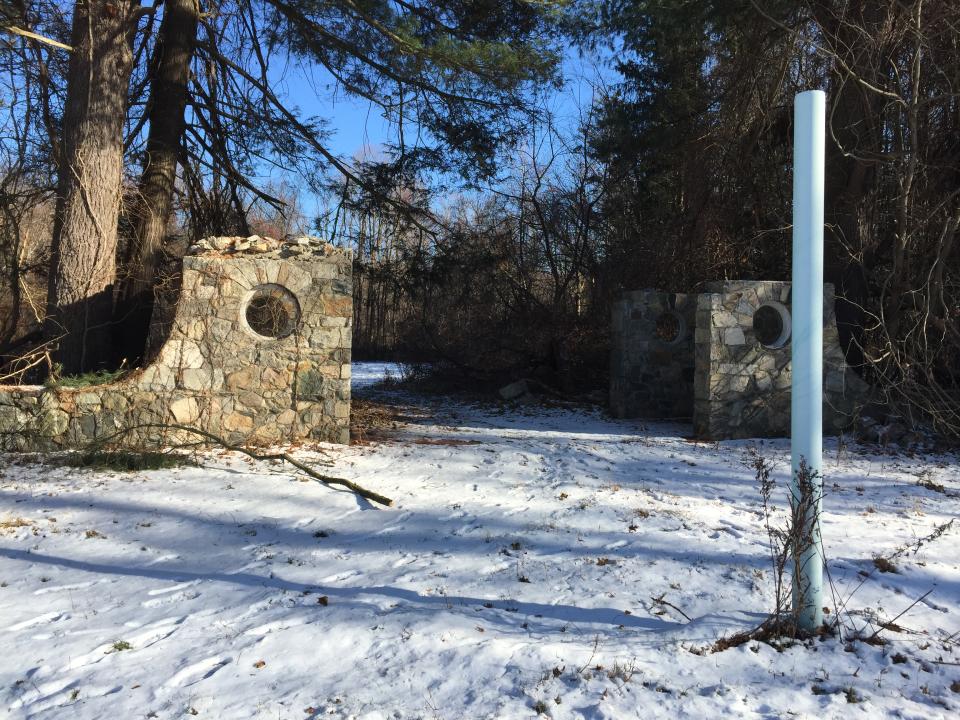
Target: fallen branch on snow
284,457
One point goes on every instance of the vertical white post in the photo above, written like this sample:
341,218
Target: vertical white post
806,419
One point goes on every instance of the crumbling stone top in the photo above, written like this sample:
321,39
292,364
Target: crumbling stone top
305,247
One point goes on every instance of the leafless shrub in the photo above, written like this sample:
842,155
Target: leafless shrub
790,543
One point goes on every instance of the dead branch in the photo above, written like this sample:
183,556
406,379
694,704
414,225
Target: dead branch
889,623
34,36
284,457
661,601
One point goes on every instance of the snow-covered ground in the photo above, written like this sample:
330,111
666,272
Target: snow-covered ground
535,559
366,374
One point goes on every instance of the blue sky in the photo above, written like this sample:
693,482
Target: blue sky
357,126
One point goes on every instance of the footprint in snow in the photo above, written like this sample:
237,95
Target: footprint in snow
256,608
169,599
195,672
60,588
256,564
171,596
57,693
155,632
173,588
735,530
396,524
90,658
342,515
338,577
38,620
267,628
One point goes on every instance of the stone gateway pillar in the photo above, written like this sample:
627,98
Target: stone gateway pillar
721,358
257,351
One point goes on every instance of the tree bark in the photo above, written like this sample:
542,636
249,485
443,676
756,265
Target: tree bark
168,100
83,257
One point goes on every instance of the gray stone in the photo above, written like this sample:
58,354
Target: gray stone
734,336
736,387
197,378
214,372
515,390
725,320
652,374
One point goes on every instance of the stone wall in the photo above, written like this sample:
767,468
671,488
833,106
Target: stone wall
742,386
651,358
258,352
740,355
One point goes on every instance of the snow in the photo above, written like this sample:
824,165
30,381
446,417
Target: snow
520,564
366,374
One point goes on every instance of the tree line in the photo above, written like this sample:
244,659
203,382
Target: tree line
154,108
684,175
489,236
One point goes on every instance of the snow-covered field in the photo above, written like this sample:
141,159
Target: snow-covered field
536,559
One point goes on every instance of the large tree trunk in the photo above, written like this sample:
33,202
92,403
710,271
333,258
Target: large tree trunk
168,100
83,260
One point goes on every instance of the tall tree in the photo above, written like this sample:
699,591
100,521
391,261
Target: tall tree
169,79
83,260
452,77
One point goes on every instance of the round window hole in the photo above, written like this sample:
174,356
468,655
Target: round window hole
669,327
771,325
272,311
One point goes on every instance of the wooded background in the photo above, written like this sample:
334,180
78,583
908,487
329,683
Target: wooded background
490,237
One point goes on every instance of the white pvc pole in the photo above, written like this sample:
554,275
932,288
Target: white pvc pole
806,419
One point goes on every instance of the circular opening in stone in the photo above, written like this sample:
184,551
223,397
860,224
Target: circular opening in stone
272,311
771,325
669,327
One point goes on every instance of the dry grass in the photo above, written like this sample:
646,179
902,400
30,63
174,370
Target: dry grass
885,565
10,525
370,421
